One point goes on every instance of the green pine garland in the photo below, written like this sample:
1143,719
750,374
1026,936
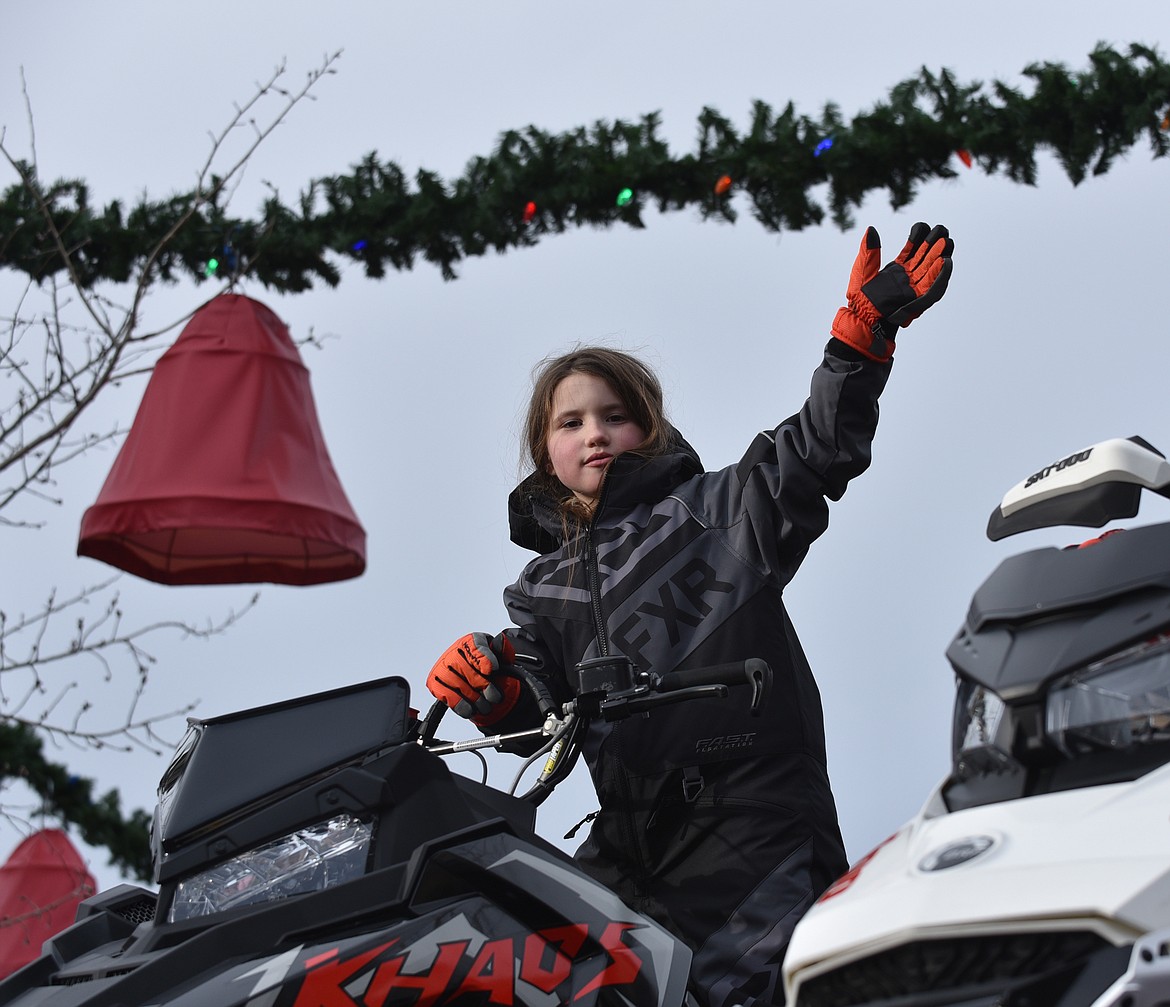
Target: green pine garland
70,799
375,216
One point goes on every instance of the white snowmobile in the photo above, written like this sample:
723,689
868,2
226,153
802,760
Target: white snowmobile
1038,872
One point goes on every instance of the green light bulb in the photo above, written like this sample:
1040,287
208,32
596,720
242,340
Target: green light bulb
212,266
625,196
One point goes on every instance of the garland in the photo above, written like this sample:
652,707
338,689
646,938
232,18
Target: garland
71,799
536,183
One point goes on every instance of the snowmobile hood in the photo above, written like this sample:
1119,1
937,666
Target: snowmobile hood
1090,860
1047,611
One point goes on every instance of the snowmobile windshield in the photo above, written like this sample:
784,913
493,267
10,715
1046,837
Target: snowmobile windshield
1113,704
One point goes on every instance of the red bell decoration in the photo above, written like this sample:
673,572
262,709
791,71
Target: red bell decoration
224,477
41,884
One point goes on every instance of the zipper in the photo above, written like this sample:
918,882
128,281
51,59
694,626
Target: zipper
593,584
593,574
624,813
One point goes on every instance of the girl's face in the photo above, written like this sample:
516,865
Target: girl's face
589,428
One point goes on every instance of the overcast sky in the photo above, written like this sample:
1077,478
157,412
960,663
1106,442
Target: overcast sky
1053,334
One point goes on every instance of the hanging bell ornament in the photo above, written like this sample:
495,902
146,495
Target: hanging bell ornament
224,477
41,885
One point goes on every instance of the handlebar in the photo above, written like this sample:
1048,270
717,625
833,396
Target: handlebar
607,688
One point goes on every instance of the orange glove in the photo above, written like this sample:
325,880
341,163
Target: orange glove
882,301
465,678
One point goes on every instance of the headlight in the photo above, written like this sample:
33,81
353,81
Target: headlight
981,742
1115,703
312,859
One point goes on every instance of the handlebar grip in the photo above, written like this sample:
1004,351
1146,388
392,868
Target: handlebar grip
754,672
539,690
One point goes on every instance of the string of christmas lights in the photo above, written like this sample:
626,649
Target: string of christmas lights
535,184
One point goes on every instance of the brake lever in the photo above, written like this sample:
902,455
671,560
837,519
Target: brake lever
621,707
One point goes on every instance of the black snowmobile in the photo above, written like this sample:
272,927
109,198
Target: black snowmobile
319,853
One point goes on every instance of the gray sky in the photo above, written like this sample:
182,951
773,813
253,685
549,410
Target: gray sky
1051,336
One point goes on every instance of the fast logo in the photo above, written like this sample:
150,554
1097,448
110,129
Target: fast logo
725,742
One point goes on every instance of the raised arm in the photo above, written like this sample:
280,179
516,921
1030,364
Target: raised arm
788,475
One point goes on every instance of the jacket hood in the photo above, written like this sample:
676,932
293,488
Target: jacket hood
534,521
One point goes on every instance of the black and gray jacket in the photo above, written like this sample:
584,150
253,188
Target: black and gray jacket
681,568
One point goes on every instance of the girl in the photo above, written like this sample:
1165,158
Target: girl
720,825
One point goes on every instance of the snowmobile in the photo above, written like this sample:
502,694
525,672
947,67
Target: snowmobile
318,852
1038,871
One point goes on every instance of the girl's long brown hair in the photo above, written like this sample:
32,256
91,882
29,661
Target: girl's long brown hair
633,382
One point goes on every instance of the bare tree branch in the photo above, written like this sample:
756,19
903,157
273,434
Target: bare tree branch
74,363
32,646
62,347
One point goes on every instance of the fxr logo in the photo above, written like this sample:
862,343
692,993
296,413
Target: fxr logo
1044,473
688,586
